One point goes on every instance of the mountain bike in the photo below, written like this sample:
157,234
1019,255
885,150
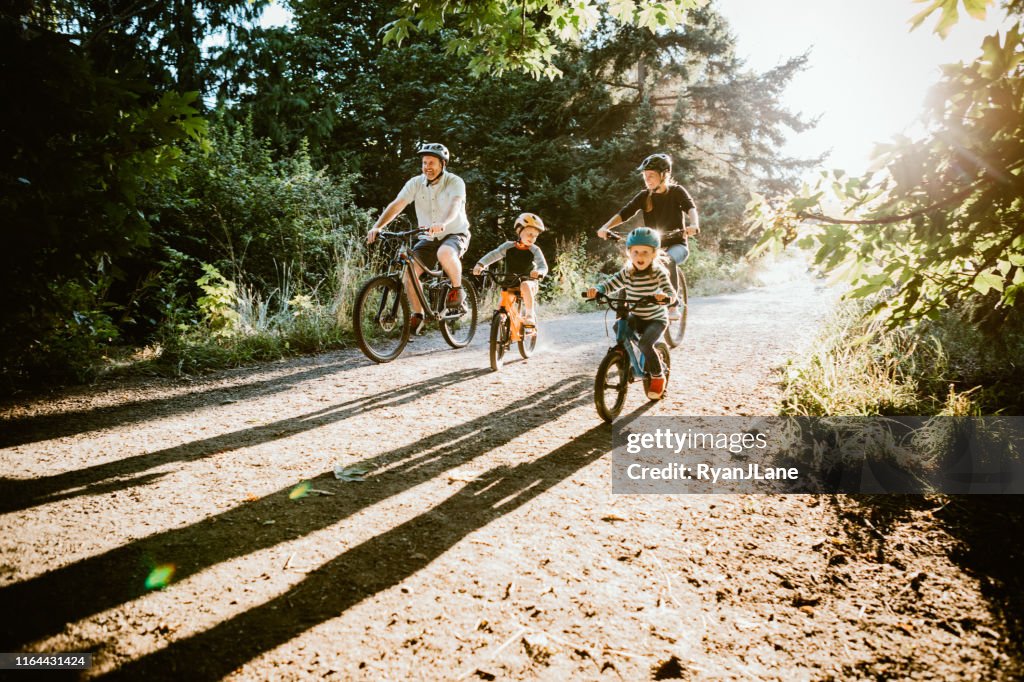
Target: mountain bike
381,315
507,322
676,328
623,363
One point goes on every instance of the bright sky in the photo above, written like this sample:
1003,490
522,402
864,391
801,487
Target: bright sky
867,76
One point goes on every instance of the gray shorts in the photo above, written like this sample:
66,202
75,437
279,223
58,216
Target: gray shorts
425,250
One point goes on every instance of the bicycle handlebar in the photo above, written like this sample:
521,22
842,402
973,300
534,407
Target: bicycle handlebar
507,278
626,302
403,233
618,237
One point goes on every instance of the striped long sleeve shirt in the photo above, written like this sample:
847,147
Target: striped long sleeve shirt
653,280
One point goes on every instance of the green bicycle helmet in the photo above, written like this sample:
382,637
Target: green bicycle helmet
644,236
661,163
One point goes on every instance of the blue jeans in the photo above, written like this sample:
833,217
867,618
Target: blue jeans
650,332
678,253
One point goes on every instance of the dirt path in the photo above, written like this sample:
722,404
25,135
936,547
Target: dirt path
484,544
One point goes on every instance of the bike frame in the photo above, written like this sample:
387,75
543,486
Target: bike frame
515,321
627,339
404,259
509,296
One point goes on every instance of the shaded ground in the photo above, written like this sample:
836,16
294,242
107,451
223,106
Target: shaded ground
485,543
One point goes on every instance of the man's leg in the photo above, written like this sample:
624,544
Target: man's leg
451,264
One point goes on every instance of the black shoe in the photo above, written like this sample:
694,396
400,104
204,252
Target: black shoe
417,324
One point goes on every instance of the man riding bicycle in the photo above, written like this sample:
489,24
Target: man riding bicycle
440,200
666,207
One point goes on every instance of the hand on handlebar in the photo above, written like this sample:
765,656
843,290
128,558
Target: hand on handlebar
590,293
478,269
371,236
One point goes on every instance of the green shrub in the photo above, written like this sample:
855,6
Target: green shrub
944,366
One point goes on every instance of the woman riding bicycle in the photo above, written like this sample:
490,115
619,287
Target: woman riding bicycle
666,207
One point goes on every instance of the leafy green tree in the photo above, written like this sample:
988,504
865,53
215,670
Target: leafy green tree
80,147
524,35
266,222
565,147
942,222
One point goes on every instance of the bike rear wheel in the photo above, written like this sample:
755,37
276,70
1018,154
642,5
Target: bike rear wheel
666,367
677,329
381,318
610,384
459,331
528,337
499,339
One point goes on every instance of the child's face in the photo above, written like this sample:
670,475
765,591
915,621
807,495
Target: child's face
528,235
642,256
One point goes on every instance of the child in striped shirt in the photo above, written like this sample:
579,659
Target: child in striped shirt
644,276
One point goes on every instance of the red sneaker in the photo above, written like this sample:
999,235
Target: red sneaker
656,387
456,299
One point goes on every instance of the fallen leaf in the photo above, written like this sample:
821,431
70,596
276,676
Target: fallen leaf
355,473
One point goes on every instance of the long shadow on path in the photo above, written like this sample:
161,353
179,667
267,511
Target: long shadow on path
44,604
122,473
367,569
25,430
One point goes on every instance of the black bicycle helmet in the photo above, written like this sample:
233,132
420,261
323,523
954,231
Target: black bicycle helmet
657,162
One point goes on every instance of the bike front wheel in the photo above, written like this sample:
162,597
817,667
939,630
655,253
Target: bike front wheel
499,339
528,338
677,328
381,319
610,384
458,331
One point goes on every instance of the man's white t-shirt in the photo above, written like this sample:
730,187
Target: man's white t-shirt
434,201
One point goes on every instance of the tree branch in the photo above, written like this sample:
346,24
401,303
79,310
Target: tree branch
888,220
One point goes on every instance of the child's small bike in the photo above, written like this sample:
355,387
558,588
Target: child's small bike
507,322
677,328
623,363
